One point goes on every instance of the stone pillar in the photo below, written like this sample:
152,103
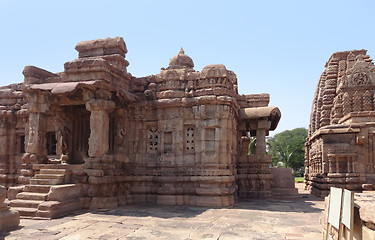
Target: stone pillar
263,125
99,126
261,142
36,144
245,142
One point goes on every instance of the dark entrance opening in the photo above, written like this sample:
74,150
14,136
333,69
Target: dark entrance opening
51,143
78,142
22,144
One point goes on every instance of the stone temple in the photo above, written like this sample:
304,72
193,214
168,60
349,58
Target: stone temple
340,148
94,136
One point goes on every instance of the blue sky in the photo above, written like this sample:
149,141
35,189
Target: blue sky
275,47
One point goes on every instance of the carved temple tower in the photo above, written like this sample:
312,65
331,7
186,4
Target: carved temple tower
340,145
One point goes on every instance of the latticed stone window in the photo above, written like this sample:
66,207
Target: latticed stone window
190,139
153,139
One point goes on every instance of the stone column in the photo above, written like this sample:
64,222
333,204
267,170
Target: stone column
99,126
245,142
263,125
36,144
261,142
36,141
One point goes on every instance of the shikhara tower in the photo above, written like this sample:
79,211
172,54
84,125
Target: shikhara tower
340,148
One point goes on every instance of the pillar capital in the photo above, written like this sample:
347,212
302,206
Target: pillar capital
100,105
264,124
99,125
37,103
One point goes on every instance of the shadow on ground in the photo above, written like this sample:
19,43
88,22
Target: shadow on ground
254,216
304,203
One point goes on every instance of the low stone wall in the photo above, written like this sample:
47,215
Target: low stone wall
282,183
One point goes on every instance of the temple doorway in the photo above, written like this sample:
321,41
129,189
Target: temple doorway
78,133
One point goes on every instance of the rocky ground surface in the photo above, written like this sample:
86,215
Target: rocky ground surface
256,219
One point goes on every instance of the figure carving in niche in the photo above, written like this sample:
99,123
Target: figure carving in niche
64,136
121,135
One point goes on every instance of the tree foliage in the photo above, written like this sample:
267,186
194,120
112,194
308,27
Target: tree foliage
288,148
252,145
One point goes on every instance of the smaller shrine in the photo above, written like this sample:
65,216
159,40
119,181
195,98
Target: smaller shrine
340,148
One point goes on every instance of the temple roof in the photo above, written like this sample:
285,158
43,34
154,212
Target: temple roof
181,60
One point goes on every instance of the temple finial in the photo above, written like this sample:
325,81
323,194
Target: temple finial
181,51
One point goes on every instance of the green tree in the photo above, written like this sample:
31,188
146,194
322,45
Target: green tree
252,145
288,148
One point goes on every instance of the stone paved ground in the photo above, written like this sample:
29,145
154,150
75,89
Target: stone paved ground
258,219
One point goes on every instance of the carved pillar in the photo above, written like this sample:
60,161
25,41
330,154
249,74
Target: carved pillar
37,121
99,126
36,134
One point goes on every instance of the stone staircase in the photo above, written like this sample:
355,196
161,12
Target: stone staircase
48,195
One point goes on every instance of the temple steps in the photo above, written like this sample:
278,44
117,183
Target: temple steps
26,212
53,171
46,181
49,176
37,188
32,196
21,203
47,195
